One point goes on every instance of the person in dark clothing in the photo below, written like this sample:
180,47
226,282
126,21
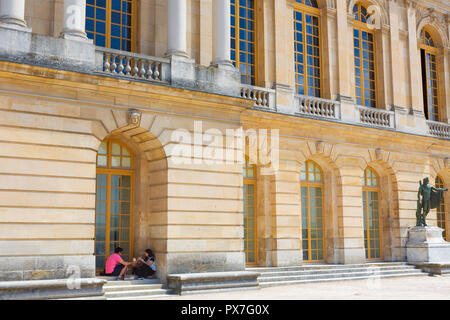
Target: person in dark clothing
146,265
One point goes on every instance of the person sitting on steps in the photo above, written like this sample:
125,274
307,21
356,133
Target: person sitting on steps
116,266
146,265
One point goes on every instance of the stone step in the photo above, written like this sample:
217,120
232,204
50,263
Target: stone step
325,266
189,283
134,293
143,297
330,271
336,275
132,282
281,283
114,288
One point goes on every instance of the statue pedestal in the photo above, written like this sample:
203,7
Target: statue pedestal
426,245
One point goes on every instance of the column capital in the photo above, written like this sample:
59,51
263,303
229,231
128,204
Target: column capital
411,4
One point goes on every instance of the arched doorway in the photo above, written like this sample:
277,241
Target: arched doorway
372,219
441,210
311,177
114,205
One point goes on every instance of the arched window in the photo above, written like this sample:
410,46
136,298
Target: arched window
441,211
364,54
312,212
114,205
243,39
371,210
250,238
430,82
308,73
112,23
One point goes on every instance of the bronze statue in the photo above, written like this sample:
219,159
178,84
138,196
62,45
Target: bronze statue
431,199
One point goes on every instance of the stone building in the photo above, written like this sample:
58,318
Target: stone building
129,122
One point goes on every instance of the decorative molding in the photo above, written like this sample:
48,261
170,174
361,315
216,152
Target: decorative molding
403,34
382,5
345,99
430,17
411,4
319,147
331,4
381,156
134,118
378,154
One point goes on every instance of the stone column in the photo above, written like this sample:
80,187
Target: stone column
12,15
384,66
283,243
74,20
344,51
415,77
349,245
176,28
394,13
284,84
221,33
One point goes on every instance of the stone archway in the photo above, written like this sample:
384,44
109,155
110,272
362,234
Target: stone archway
380,161
134,130
324,155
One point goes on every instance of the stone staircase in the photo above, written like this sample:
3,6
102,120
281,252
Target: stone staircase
323,272
131,289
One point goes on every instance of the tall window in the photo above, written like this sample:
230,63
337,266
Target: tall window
441,210
312,212
307,48
113,211
364,51
111,23
371,209
430,81
243,39
250,240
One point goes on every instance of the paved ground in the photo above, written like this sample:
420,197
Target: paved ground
420,287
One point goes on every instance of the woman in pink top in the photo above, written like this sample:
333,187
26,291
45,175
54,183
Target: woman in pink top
115,266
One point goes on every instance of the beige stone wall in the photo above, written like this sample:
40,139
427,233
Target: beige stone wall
343,156
191,214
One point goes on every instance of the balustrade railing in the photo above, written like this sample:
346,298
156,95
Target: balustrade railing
153,69
263,98
136,66
376,117
317,107
439,129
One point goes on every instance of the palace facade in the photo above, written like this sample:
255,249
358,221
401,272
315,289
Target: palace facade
131,122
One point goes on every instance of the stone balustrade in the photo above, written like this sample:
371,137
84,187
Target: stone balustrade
376,117
264,98
318,108
132,65
82,56
439,129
